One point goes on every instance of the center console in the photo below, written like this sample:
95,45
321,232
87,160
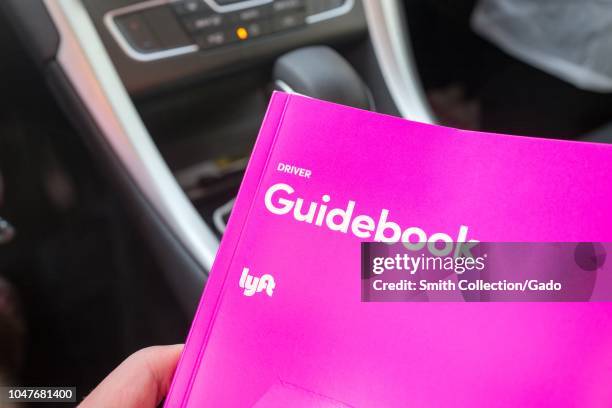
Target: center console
157,43
170,94
201,72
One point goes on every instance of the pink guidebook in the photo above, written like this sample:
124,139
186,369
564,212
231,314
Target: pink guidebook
282,322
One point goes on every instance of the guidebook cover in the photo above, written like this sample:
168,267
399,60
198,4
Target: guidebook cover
298,311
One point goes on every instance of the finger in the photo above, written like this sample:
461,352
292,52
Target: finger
141,381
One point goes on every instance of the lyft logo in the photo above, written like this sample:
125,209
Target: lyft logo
252,284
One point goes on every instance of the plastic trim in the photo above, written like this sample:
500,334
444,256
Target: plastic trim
333,13
235,6
395,59
111,25
88,67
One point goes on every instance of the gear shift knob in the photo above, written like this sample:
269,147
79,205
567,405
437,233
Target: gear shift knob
322,73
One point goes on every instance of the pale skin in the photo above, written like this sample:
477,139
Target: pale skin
141,381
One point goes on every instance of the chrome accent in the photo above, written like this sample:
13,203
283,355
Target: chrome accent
111,25
394,55
235,6
87,65
336,12
283,86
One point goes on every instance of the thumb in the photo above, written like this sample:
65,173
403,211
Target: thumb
141,381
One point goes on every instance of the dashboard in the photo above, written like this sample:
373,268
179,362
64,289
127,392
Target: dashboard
176,40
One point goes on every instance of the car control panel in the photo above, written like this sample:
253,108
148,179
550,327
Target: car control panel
160,29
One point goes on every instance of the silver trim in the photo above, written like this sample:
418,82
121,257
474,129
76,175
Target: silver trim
87,65
283,86
394,55
111,25
333,13
235,6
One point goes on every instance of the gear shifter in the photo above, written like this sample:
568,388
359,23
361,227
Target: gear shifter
319,72
322,73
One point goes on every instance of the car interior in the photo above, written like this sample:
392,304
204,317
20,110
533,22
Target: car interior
126,127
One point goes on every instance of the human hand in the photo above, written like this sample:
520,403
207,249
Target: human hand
141,381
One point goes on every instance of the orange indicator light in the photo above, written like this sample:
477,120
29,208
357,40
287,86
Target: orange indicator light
242,33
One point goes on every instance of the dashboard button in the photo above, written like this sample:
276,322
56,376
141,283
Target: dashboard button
135,29
287,5
166,27
259,28
216,38
186,7
251,14
288,21
253,29
205,22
